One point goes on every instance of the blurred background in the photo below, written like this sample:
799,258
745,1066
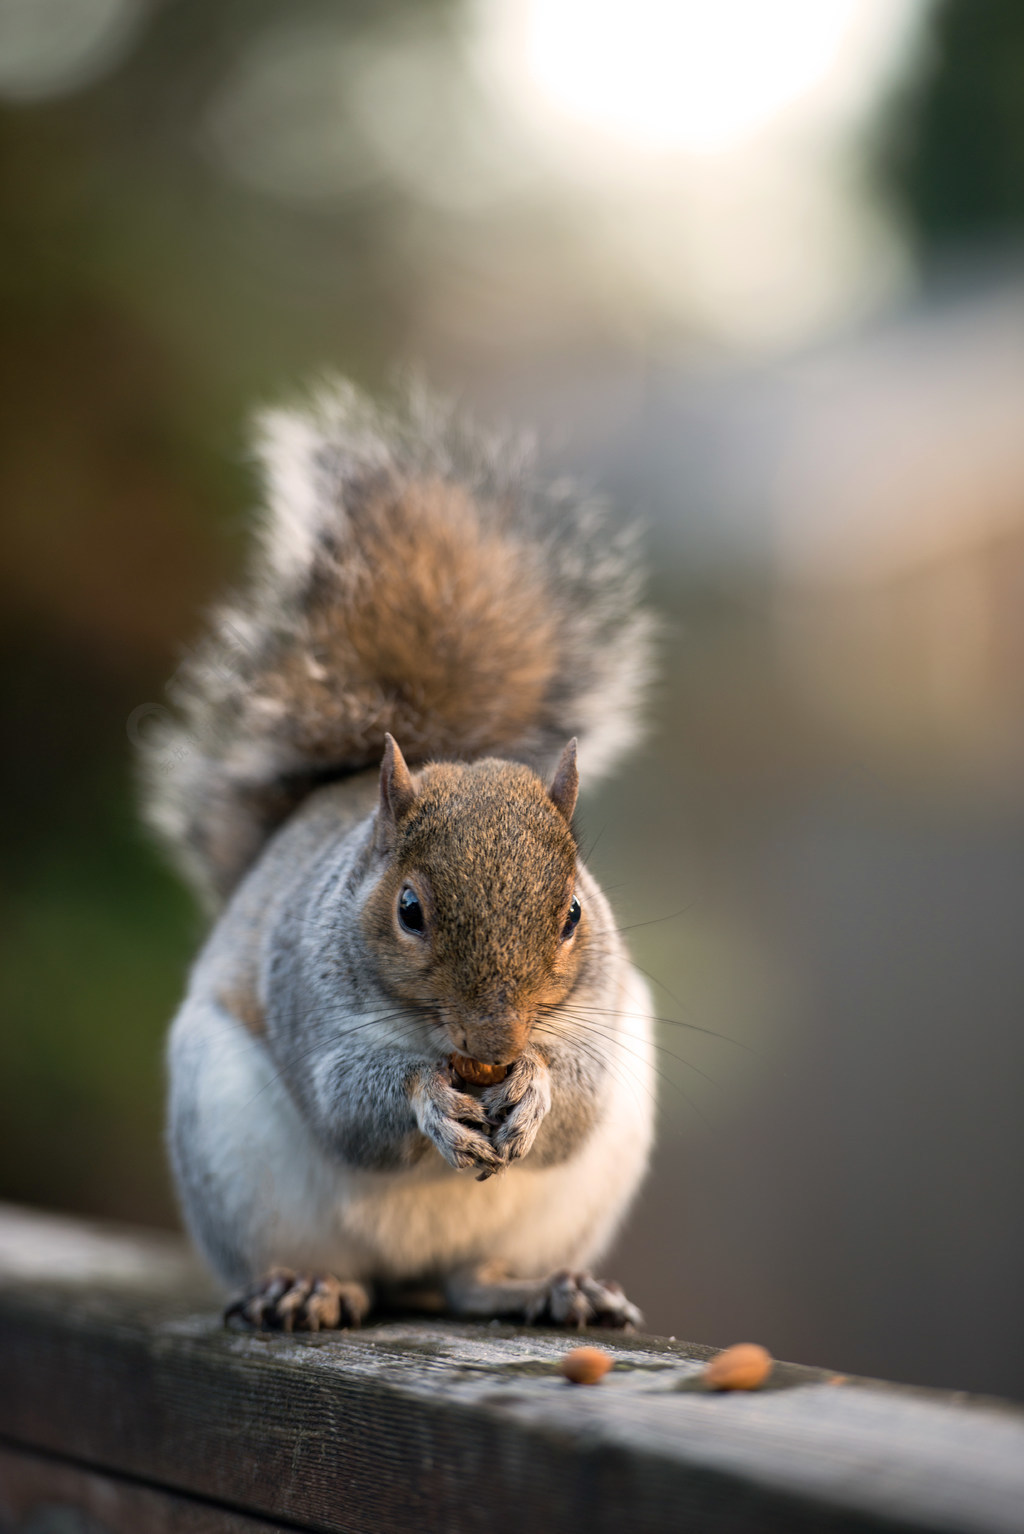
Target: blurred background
756,270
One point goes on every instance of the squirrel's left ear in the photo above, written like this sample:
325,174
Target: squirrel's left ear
565,784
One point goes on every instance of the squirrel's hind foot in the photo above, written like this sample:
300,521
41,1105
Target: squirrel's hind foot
286,1301
564,1298
580,1299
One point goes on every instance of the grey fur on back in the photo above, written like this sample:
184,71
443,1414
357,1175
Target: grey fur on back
414,574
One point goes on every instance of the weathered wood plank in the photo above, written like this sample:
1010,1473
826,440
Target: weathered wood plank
43,1495
112,1353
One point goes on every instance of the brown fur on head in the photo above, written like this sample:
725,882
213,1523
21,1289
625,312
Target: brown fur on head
490,856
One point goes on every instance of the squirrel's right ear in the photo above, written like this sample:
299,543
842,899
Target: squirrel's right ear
397,792
565,784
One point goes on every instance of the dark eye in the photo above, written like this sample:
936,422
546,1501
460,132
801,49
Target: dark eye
572,921
410,911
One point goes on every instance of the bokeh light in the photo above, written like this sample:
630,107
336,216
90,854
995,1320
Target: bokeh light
51,47
685,75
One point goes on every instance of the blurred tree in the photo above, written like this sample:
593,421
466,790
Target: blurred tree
950,150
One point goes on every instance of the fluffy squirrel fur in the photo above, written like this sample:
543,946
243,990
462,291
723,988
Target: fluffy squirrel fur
413,574
413,580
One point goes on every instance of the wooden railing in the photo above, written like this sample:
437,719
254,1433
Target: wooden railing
127,1408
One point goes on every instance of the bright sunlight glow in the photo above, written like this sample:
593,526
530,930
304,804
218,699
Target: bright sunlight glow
691,75
716,141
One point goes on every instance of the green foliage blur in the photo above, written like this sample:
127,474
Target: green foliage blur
146,300
951,149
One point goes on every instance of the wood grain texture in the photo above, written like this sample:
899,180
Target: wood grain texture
43,1495
116,1358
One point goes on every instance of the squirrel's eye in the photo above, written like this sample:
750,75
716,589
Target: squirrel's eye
410,911
572,921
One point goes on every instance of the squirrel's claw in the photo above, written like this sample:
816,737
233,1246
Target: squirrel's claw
286,1301
580,1299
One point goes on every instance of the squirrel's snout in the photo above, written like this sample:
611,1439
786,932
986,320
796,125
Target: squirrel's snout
490,1040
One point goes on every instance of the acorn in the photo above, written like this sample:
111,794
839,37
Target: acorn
477,1072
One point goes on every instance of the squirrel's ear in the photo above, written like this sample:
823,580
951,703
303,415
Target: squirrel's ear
397,791
565,784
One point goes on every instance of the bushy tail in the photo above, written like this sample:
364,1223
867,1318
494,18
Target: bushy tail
411,575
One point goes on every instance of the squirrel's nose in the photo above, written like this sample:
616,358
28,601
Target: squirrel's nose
493,1040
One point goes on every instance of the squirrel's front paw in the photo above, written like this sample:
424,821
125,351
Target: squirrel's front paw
456,1123
517,1106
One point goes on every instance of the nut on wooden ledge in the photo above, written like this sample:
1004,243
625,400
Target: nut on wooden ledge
477,1072
585,1366
745,1366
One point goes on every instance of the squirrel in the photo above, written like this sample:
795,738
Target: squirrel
413,1050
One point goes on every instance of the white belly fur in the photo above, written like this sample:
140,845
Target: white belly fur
294,1206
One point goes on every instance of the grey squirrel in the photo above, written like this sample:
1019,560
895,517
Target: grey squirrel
413,1049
